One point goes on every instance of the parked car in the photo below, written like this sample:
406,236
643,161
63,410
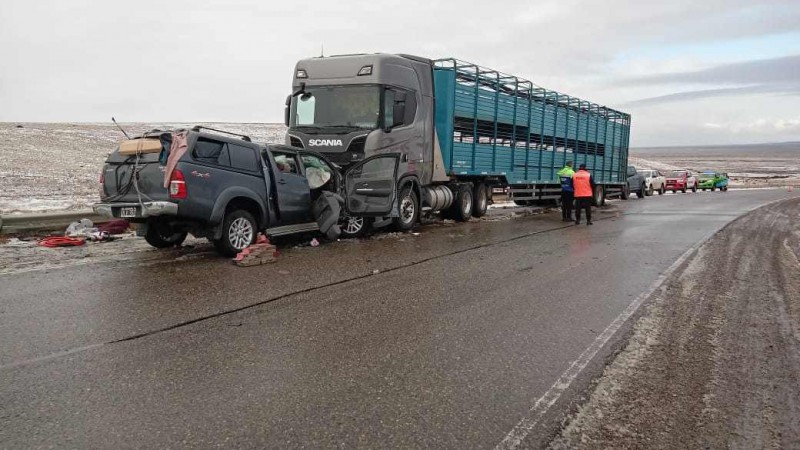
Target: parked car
655,181
227,189
681,180
636,184
713,181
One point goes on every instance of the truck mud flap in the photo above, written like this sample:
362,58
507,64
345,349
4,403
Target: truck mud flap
326,210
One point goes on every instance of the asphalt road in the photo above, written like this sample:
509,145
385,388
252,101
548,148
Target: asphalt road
446,339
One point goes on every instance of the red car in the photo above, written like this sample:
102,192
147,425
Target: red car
681,180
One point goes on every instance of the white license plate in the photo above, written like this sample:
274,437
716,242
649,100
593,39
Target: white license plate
128,212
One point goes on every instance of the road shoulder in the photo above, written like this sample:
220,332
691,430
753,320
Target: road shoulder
715,359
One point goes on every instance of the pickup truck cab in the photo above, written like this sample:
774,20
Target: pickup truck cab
227,189
713,181
654,181
636,183
681,180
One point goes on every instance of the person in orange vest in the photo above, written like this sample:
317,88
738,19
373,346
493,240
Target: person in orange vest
583,183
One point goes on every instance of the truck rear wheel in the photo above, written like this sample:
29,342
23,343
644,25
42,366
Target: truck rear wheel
462,206
160,234
408,209
481,200
239,231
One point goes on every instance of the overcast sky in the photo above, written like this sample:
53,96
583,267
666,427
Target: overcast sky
689,72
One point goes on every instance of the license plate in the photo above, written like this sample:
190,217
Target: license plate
128,212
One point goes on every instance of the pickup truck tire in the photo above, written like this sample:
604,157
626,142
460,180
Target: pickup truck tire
353,227
161,235
662,191
683,190
650,190
480,197
462,206
239,231
408,208
626,192
641,192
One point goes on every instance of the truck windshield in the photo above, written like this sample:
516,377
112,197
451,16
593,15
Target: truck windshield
321,107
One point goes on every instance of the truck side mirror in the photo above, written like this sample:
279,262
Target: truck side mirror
286,110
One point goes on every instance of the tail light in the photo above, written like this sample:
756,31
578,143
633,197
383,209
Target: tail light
177,185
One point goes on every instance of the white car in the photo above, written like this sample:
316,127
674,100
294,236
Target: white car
654,181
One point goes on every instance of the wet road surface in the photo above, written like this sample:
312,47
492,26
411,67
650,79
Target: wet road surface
443,339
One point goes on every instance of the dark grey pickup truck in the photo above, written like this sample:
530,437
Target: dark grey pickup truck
227,189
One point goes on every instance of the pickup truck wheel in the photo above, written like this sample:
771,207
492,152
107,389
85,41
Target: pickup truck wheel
353,227
462,206
641,192
161,235
626,192
238,232
481,200
650,190
683,190
662,191
409,210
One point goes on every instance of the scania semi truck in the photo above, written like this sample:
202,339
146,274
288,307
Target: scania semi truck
451,131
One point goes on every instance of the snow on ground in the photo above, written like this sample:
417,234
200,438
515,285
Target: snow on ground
52,166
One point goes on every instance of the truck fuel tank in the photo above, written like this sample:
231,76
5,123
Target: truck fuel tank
437,197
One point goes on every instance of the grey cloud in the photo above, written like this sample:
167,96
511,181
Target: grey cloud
722,92
776,70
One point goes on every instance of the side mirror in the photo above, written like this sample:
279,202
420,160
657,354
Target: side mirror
286,110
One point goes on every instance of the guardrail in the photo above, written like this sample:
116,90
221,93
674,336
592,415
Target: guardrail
52,221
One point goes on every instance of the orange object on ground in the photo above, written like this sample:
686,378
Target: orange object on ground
60,241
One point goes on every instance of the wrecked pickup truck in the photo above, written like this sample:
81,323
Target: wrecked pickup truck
223,187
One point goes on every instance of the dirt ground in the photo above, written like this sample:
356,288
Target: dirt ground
715,360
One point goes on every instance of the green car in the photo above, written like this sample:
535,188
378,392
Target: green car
713,181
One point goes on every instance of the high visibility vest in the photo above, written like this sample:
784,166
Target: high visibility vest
582,184
565,175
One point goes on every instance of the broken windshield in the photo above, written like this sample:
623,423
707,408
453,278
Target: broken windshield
343,107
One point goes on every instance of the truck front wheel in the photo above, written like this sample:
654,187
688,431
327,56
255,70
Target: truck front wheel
408,209
160,234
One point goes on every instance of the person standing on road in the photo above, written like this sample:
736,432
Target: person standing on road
583,183
567,191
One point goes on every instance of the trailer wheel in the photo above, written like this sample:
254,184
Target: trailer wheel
481,200
409,210
462,206
599,196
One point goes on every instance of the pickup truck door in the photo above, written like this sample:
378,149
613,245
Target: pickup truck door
370,186
292,194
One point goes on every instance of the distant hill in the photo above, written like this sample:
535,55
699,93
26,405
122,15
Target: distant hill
777,149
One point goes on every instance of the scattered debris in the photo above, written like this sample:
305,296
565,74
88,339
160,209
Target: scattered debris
314,242
61,241
262,252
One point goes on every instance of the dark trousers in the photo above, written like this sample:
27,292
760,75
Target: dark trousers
567,199
583,203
